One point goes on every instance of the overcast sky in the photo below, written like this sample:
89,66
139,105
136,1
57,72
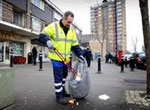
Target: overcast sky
81,9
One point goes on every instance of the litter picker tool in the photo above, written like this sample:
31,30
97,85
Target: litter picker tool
66,62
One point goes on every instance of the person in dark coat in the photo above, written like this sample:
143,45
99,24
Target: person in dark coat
110,58
132,64
34,53
88,54
106,58
126,62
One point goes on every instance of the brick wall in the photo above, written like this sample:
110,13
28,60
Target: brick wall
7,12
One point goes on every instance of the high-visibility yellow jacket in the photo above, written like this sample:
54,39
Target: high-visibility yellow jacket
62,42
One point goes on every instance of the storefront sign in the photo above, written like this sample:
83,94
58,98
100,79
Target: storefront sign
10,36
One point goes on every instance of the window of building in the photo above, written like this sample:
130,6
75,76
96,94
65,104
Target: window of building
57,16
119,17
17,18
119,21
0,9
119,14
77,31
38,3
118,3
17,48
119,29
119,25
118,6
36,24
119,10
119,34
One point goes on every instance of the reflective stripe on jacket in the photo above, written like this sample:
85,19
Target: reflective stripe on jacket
62,42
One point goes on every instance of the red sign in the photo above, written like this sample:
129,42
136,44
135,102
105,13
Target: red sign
120,53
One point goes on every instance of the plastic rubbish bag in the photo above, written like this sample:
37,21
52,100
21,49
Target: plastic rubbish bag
79,87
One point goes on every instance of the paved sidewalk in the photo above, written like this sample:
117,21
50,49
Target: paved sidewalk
34,89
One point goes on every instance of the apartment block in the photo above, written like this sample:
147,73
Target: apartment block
108,26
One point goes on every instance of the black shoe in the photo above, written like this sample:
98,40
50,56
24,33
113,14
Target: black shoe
64,101
65,94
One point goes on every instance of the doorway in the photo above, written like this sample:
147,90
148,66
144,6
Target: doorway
1,51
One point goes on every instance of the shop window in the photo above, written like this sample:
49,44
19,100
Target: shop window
17,18
17,49
38,3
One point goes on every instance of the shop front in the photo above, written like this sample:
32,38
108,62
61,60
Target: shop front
18,46
17,50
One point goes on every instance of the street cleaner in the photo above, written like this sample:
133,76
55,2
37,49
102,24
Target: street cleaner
61,36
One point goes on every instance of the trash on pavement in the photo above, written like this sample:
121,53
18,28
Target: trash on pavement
104,97
77,103
72,101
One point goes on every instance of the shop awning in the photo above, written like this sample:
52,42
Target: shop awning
37,42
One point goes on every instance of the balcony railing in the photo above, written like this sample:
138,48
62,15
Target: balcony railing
17,17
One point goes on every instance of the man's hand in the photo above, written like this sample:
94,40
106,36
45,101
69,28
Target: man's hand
49,45
81,59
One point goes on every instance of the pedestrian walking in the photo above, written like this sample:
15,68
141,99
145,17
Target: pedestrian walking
106,58
110,58
132,64
34,53
61,35
126,62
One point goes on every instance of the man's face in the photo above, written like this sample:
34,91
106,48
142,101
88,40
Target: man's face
68,21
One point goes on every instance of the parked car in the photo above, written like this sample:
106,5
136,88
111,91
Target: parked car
128,56
141,60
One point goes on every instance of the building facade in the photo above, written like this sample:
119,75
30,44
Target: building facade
121,43
108,26
23,20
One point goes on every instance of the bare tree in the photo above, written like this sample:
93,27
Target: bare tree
146,32
101,39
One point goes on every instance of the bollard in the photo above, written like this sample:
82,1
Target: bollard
122,66
11,60
126,65
41,62
99,65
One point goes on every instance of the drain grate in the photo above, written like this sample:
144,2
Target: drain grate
135,81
